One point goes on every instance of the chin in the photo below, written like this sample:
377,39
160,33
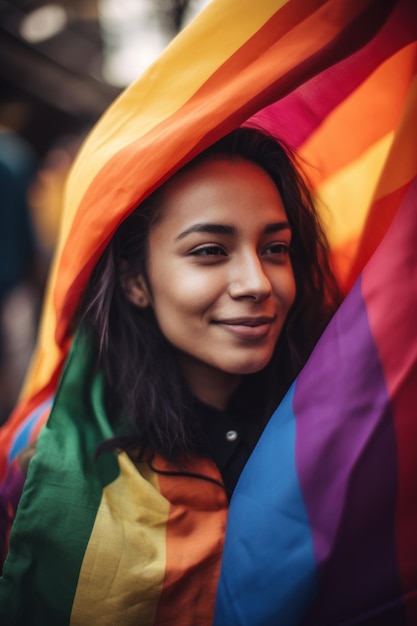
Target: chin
243,369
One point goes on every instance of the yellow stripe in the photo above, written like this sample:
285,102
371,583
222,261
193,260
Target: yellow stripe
345,198
124,565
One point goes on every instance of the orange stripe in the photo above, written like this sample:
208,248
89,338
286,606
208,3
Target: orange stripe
194,544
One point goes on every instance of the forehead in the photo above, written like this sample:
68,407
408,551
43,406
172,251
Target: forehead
221,189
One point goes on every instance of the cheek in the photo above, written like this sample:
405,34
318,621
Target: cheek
180,293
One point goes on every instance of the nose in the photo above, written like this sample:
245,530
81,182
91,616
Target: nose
248,279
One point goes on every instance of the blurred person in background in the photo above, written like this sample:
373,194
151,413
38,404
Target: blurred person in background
31,200
47,190
21,274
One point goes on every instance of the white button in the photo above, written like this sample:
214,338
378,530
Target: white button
231,435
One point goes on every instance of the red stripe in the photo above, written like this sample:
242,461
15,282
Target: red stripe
380,216
390,291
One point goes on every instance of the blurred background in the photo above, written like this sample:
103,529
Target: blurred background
61,65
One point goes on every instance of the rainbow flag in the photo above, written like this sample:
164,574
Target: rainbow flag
329,496
321,527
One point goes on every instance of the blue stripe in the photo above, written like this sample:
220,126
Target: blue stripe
268,573
22,437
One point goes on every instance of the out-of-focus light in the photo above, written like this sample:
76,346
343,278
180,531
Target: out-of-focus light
122,65
193,9
132,38
43,23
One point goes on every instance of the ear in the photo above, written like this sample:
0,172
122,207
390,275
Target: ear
137,291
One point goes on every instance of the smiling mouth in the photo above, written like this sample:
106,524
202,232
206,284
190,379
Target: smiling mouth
251,328
253,322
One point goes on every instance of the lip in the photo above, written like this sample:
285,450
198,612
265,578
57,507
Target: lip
247,327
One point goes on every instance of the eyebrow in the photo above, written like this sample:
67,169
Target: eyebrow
226,229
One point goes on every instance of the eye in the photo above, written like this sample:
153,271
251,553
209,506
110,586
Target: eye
208,251
279,249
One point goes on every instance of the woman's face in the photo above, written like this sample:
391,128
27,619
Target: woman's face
219,271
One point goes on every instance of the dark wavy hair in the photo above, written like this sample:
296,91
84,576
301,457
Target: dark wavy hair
144,387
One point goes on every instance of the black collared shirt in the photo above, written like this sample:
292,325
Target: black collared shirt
228,437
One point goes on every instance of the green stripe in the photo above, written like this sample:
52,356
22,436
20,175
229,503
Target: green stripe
60,500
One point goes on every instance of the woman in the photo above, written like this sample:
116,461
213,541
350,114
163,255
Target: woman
228,260
202,310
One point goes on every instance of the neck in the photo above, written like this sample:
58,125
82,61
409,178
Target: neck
211,386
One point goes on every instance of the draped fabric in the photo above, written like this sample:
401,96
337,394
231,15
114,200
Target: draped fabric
321,525
329,494
109,541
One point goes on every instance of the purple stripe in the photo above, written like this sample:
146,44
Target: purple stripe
296,116
347,464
